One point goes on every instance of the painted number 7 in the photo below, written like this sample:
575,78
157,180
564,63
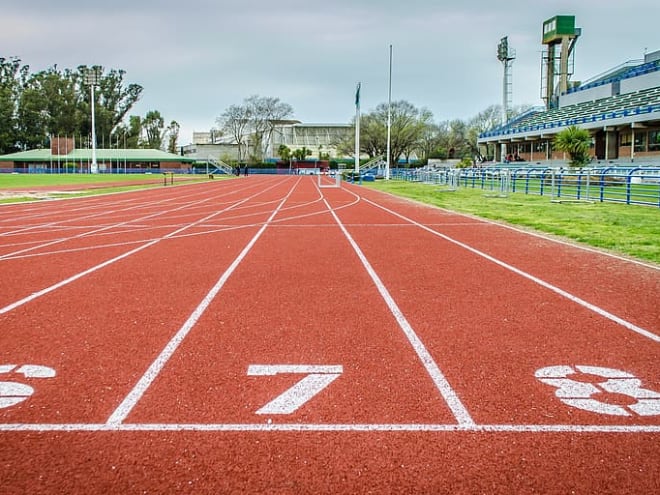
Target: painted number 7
317,378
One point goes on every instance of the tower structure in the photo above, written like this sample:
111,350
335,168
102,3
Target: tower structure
506,55
557,62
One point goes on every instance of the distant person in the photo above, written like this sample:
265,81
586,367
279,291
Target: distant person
245,170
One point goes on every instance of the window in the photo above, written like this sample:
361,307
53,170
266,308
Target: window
640,141
625,139
654,141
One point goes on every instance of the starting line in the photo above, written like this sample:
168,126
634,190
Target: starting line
302,427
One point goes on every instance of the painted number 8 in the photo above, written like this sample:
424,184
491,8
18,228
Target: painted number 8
581,394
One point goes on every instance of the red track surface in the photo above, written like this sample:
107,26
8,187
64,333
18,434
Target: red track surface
152,309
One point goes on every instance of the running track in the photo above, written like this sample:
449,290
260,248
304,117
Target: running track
265,335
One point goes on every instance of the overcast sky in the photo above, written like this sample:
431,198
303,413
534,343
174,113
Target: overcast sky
194,58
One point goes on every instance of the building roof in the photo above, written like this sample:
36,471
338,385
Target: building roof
102,155
639,106
626,95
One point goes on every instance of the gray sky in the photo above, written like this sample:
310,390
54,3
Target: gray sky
197,57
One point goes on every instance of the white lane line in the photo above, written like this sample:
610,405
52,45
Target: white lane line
127,405
105,213
187,206
102,229
77,276
592,307
322,427
451,398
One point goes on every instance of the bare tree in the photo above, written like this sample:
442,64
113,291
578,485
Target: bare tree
265,113
256,118
235,121
408,124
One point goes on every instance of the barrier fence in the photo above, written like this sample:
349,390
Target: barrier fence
628,185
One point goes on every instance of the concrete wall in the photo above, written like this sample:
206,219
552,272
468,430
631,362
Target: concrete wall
644,81
604,91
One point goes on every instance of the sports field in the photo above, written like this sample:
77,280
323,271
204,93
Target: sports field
267,335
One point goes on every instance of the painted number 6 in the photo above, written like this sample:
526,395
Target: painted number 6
581,394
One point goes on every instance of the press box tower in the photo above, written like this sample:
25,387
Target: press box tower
557,63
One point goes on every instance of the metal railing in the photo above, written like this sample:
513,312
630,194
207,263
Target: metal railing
628,185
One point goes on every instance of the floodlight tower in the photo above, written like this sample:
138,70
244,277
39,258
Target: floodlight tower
560,35
92,77
506,55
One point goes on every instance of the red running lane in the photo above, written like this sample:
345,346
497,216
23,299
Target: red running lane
40,268
102,330
288,304
615,284
100,350
493,329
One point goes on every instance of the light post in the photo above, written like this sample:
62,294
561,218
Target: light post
92,77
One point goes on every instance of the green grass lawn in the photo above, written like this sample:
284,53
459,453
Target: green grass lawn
626,229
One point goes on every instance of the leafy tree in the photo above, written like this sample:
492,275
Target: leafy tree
114,99
576,142
152,126
129,135
48,105
284,152
301,153
429,142
57,102
12,77
172,136
408,125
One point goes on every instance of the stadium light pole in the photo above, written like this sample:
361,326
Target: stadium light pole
389,120
357,128
92,79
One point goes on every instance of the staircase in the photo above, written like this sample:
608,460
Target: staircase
217,166
377,165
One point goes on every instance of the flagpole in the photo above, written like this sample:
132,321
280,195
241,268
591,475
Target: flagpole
357,129
389,120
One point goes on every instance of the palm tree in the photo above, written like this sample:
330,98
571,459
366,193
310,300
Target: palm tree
576,142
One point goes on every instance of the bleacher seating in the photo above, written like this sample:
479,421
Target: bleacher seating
638,102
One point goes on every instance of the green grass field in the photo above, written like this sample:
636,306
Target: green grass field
625,229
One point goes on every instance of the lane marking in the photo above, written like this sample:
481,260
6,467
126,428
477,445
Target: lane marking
308,427
97,230
129,402
442,384
12,392
95,268
59,224
317,378
583,395
592,307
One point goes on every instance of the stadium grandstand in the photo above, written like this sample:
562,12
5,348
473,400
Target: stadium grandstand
620,108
